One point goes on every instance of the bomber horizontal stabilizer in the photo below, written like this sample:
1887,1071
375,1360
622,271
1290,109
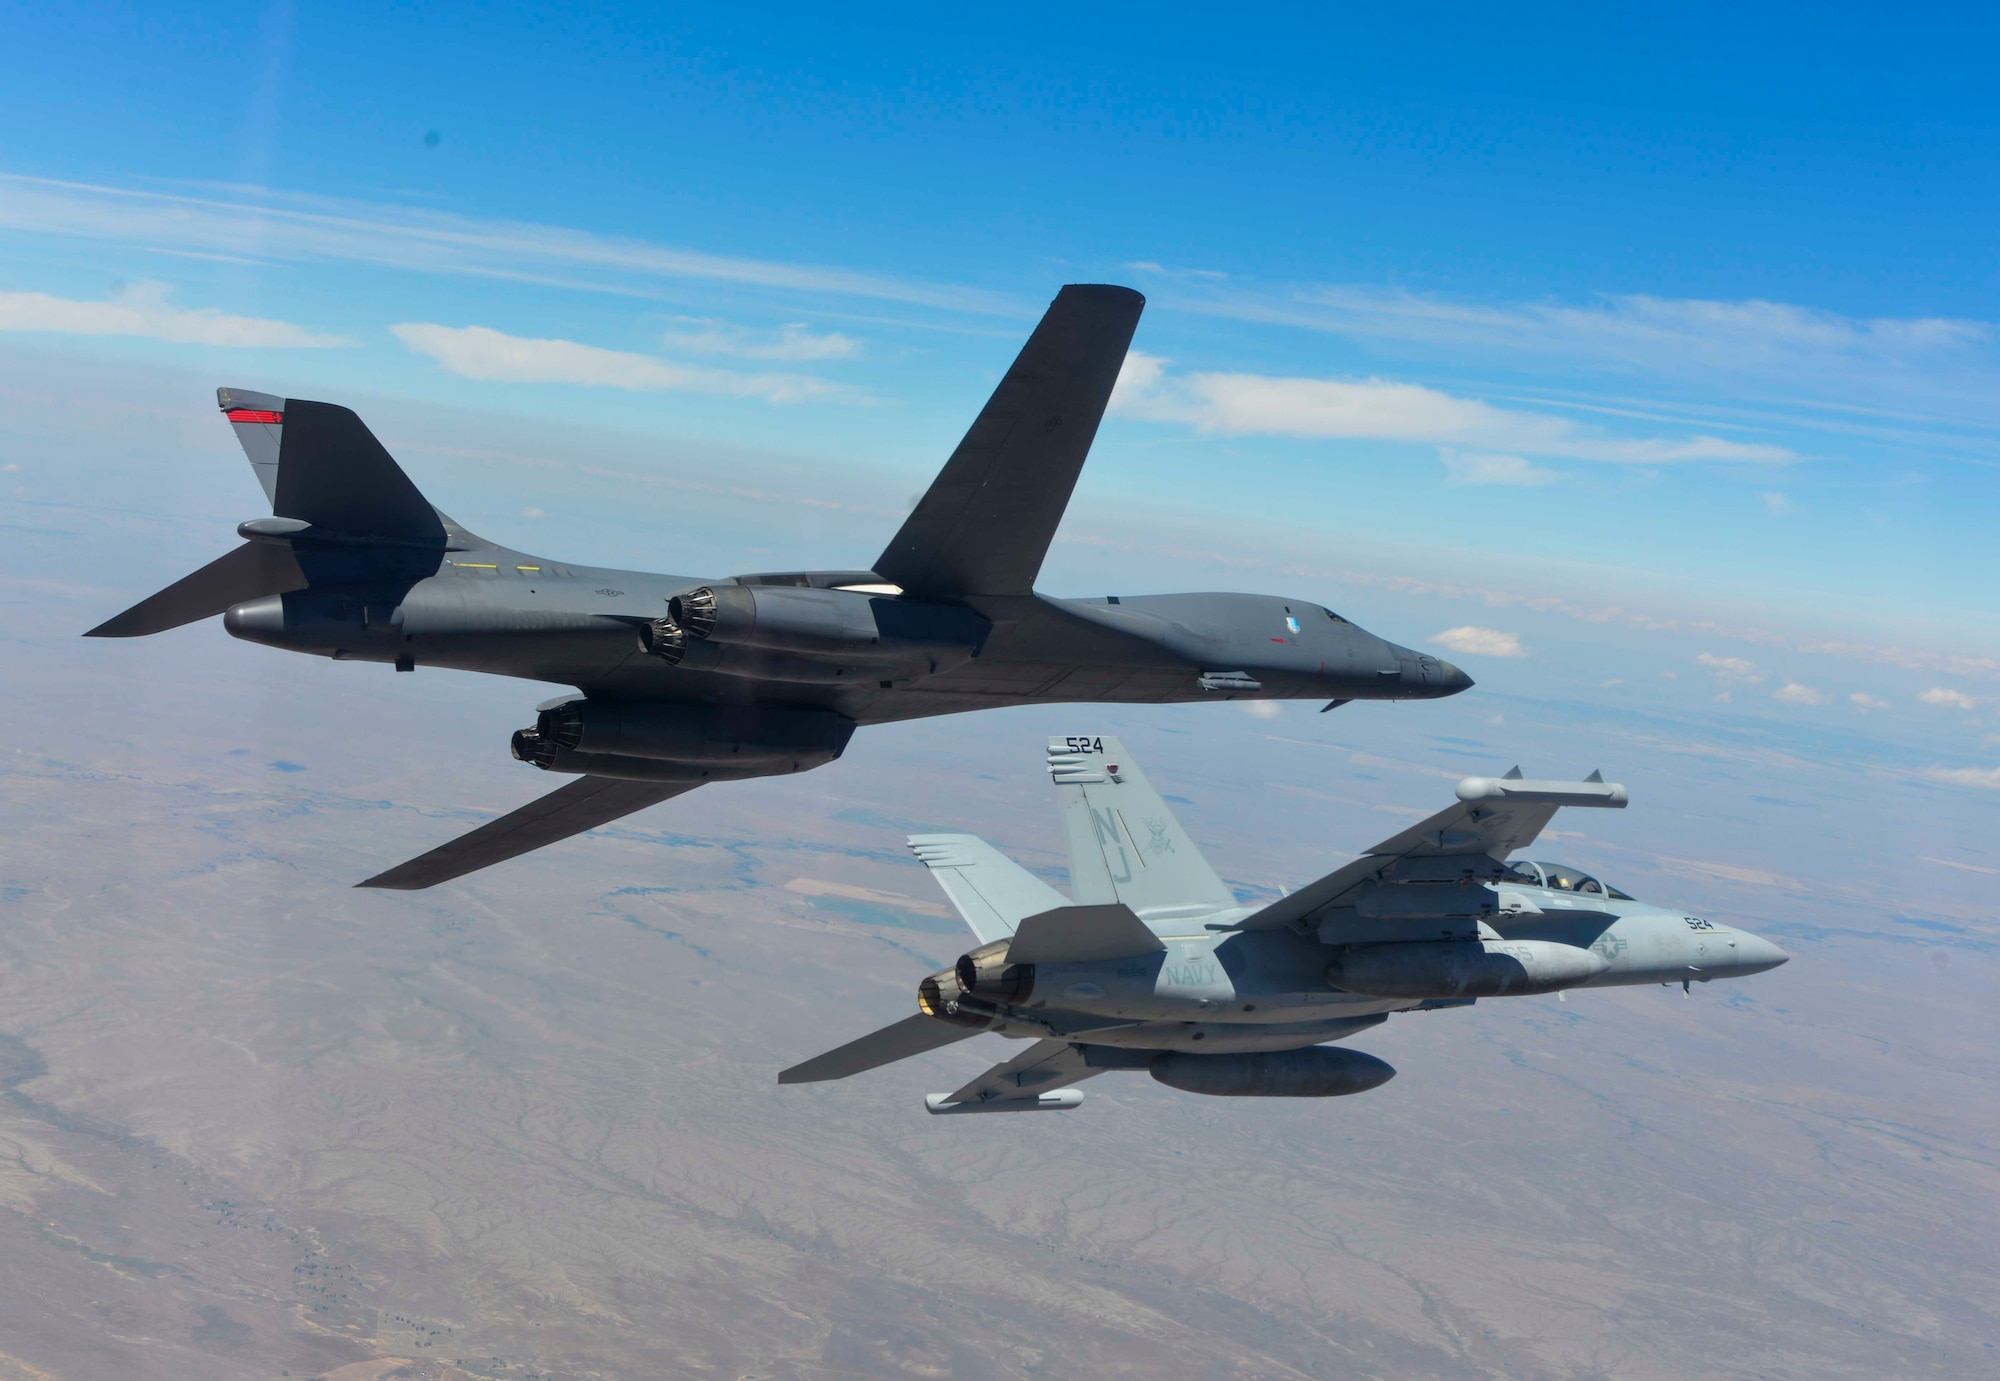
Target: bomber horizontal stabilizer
252,571
582,805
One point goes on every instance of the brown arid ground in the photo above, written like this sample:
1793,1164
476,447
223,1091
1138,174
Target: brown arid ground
255,1123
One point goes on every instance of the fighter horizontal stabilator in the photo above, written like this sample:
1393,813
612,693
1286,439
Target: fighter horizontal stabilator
1152,964
684,680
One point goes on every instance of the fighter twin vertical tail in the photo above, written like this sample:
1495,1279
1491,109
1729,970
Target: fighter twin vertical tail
1124,844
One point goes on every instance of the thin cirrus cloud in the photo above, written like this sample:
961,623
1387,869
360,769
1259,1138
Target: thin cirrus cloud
793,342
1732,342
260,224
147,311
1793,693
1988,777
1375,409
1480,642
479,352
1483,467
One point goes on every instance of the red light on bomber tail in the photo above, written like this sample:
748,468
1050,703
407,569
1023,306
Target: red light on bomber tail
253,415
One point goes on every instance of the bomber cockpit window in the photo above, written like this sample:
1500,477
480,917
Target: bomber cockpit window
1330,614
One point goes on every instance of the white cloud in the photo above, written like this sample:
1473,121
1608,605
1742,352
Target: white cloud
145,310
1138,379
265,225
1260,709
1483,467
1864,703
1614,681
794,341
478,352
1670,334
1792,693
1390,410
1988,777
1730,670
1480,642
1779,504
1944,695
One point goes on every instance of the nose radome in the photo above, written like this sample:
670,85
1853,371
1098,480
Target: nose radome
1454,680
1755,954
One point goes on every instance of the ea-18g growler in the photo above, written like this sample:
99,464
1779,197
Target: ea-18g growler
1152,964
683,680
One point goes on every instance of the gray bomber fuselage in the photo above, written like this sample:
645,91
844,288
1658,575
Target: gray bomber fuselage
479,607
684,682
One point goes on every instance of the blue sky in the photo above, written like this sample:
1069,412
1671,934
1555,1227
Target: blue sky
1663,328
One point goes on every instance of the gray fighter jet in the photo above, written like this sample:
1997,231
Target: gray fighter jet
685,680
1154,965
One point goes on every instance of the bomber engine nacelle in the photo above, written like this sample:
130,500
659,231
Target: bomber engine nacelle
844,625
1463,968
1318,1071
650,741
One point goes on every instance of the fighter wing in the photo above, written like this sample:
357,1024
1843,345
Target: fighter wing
582,805
988,518
1042,1067
913,1035
1494,816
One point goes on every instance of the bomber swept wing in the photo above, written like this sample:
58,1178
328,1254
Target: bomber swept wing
582,805
986,523
684,681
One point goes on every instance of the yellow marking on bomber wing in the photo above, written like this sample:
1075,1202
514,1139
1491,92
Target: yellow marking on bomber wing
476,565
527,568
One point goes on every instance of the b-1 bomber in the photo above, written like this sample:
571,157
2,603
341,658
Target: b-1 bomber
1154,965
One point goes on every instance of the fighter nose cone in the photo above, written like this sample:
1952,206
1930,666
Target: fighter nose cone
1454,679
1754,954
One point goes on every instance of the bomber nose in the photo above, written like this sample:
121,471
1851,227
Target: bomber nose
1420,676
